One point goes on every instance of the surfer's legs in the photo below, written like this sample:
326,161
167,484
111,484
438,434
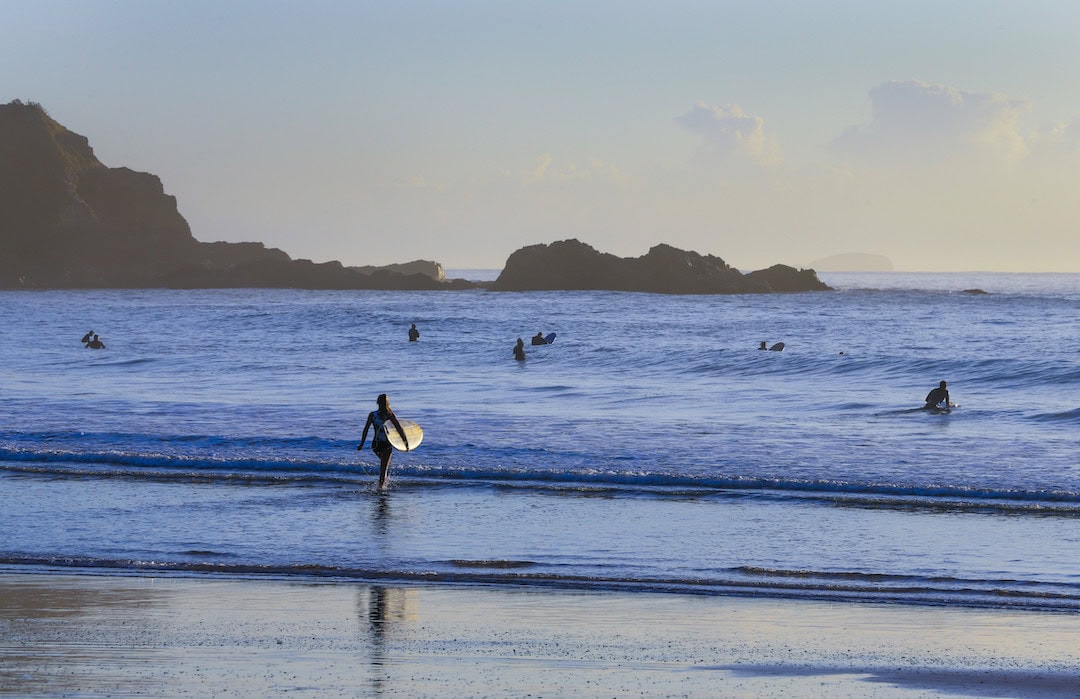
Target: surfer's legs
384,467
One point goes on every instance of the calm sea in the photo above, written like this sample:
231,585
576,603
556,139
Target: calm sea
652,447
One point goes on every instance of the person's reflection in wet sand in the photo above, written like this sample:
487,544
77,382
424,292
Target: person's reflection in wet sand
377,614
382,607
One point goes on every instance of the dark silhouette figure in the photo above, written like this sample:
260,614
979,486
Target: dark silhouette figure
379,443
519,350
538,339
414,334
96,343
936,397
87,337
763,345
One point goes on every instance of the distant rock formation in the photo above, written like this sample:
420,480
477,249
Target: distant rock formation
68,221
573,265
853,262
426,267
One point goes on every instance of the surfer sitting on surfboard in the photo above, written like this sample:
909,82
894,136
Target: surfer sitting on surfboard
936,397
379,443
538,339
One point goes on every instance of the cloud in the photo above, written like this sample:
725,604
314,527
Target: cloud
730,135
547,172
917,123
1054,155
1059,135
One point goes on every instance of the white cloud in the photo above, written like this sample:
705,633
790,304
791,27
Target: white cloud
917,123
1058,135
730,135
546,171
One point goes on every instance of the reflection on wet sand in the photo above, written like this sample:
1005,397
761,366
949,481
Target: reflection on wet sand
382,608
100,636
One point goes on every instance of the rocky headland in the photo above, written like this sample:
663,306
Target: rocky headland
67,221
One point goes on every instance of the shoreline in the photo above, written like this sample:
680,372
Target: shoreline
95,635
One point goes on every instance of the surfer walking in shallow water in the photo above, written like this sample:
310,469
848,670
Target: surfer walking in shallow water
379,443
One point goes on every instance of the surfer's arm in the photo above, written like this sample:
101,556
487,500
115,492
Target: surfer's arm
363,438
393,419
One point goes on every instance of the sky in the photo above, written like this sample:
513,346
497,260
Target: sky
942,134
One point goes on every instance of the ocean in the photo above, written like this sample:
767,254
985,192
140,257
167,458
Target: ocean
650,448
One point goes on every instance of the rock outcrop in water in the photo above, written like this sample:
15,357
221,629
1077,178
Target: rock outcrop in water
573,265
68,221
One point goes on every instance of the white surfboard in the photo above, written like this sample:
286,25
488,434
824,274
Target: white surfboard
412,430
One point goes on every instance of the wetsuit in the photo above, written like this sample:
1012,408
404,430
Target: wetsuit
937,397
379,443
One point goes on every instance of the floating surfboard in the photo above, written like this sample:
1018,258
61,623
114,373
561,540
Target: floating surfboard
412,430
549,338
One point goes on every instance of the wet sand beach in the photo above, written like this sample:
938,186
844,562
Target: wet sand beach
98,635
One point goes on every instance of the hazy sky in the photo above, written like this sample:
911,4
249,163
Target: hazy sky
945,135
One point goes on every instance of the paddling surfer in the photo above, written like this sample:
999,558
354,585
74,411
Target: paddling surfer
379,443
936,397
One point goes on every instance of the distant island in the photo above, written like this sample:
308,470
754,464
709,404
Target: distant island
67,222
573,265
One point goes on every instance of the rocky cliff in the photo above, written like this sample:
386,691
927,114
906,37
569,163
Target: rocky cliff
573,265
68,221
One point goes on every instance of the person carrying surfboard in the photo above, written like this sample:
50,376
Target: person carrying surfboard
379,443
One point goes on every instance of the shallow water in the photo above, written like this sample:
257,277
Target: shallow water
650,447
